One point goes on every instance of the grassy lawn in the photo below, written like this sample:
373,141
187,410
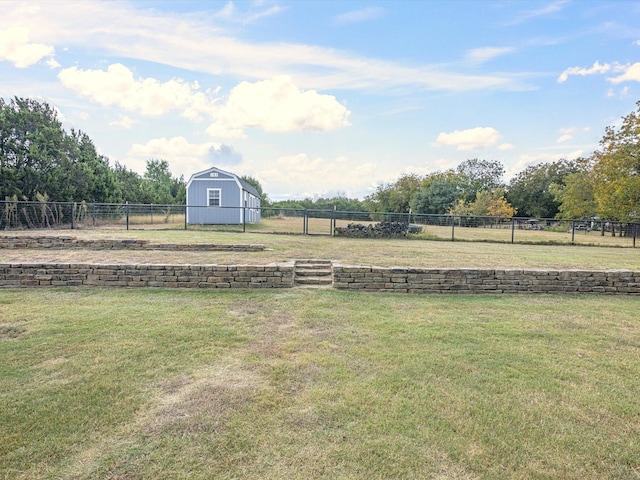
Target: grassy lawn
488,232
348,251
138,384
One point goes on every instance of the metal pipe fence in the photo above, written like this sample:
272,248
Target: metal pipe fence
22,215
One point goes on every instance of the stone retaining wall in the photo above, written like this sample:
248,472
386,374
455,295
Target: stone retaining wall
432,280
170,276
351,278
67,242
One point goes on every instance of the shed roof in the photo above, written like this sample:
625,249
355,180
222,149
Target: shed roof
243,183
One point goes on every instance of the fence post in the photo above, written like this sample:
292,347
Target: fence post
244,219
453,228
573,231
305,223
185,217
513,230
332,223
127,213
73,213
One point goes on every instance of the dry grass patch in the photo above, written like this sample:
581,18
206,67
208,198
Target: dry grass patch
318,384
380,252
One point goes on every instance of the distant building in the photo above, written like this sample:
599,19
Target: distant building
216,197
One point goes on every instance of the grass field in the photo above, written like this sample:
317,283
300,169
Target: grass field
133,384
501,233
381,252
139,384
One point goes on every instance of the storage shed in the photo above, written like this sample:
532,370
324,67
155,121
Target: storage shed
216,197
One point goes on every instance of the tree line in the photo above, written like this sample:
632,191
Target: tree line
40,161
604,185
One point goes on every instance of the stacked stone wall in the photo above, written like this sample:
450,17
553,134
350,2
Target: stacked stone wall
168,276
67,242
350,278
431,280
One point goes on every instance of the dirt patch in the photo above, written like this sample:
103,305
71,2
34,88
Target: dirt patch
10,332
203,402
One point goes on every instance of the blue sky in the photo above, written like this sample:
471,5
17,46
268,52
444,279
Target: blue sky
318,98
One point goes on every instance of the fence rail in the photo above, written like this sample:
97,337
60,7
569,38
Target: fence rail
21,215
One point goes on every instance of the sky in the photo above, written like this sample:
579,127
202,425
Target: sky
324,98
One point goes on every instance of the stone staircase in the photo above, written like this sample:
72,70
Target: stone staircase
313,273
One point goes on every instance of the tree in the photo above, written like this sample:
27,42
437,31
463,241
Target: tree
395,197
38,159
32,145
530,191
438,195
159,186
130,184
264,198
576,196
487,203
92,179
616,171
479,175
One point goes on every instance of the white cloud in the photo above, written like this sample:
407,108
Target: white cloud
357,16
549,9
482,55
277,105
184,158
506,146
595,69
566,135
528,160
255,11
631,73
301,176
52,63
16,48
223,155
123,121
274,105
201,43
479,137
118,86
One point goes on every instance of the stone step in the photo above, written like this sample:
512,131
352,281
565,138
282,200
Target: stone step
318,263
314,280
312,272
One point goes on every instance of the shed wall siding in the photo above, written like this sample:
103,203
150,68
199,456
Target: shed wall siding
228,211
232,198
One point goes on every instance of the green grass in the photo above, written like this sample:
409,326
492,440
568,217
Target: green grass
348,251
136,384
491,232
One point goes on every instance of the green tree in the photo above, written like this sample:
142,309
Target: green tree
479,175
395,197
159,187
32,145
530,191
38,159
438,194
487,203
264,198
576,196
616,171
130,184
91,175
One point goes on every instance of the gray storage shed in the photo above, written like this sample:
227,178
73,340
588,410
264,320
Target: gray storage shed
216,197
